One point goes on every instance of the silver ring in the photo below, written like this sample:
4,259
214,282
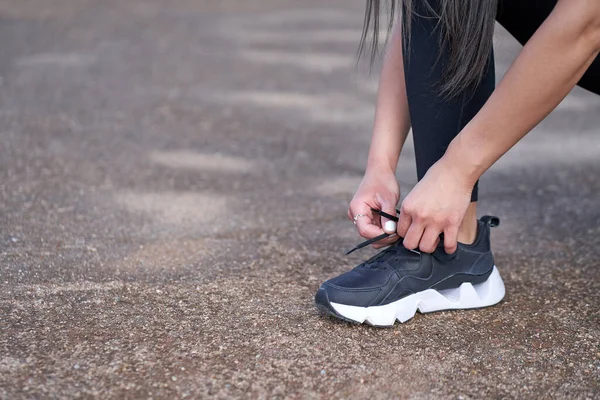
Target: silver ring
357,216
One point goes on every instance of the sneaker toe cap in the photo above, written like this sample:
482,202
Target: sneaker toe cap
362,278
352,288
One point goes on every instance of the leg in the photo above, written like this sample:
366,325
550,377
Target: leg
436,121
522,18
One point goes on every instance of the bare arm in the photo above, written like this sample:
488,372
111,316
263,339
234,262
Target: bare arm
549,66
379,188
392,121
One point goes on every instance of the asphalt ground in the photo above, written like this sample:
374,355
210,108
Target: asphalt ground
174,180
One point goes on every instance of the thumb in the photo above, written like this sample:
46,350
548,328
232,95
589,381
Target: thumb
387,206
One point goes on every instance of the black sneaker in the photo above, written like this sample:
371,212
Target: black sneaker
397,282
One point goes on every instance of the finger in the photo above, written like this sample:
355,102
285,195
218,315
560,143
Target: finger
359,208
365,224
430,239
386,242
403,224
451,239
356,209
388,206
413,236
366,228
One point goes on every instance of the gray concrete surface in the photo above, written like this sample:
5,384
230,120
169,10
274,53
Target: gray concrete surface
174,177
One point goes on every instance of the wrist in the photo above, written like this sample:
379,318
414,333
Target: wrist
463,161
381,165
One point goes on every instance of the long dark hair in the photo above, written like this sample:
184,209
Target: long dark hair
467,28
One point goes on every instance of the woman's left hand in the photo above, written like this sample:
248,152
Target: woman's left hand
437,204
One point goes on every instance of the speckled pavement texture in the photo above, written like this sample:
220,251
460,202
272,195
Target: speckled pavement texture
174,179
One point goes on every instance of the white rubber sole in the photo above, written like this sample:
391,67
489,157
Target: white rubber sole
466,296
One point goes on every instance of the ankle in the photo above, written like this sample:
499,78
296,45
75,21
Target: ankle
467,233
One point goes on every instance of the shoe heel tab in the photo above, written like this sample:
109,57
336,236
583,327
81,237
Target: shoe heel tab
490,220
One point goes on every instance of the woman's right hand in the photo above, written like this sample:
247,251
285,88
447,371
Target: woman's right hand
380,190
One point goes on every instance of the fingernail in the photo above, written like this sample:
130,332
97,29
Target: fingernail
389,227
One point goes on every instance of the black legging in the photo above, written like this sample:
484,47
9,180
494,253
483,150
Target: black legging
435,121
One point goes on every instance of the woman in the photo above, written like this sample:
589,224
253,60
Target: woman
438,78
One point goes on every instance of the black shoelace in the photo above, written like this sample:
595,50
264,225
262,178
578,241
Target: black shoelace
376,238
